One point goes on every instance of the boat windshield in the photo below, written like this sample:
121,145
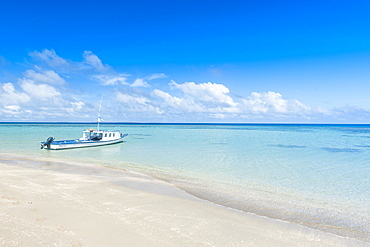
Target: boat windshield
90,135
96,136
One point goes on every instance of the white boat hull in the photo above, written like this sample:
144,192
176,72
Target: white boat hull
68,144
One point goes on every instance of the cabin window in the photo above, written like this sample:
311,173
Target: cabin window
113,134
86,136
110,134
105,135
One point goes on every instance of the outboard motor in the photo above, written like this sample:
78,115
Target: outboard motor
47,143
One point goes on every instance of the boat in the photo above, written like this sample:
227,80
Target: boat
90,138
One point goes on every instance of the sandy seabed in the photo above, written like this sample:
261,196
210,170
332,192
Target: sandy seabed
44,203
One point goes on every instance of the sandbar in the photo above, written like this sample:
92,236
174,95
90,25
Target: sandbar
43,203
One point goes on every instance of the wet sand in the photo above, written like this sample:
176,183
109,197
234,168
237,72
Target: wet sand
44,203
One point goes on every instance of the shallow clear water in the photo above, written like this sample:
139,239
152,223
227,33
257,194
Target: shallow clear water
315,175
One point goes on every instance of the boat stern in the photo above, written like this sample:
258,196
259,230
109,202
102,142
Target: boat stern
46,144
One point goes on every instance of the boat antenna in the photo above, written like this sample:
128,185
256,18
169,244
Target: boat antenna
99,118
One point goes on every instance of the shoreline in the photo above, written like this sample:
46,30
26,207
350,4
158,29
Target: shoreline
48,202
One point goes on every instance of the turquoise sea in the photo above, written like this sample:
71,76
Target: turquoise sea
313,175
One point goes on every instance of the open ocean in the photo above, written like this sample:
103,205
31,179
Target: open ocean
313,175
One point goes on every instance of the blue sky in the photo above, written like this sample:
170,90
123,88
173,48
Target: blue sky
185,61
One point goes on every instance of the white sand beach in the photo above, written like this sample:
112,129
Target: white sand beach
96,206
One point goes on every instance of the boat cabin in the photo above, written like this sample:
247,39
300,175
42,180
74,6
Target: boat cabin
100,135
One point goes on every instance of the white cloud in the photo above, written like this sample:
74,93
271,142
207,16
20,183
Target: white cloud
125,98
140,83
77,105
219,115
9,95
11,110
49,57
187,104
156,76
74,107
210,92
168,99
8,88
351,112
12,107
94,61
41,91
110,80
207,98
46,76
272,103
137,103
214,101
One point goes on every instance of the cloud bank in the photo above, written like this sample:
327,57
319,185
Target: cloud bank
52,88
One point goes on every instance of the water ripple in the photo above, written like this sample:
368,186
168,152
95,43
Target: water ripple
287,146
341,150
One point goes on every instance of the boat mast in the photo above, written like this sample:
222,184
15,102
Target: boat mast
99,118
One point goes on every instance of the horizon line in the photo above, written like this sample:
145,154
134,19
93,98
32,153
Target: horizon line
184,123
